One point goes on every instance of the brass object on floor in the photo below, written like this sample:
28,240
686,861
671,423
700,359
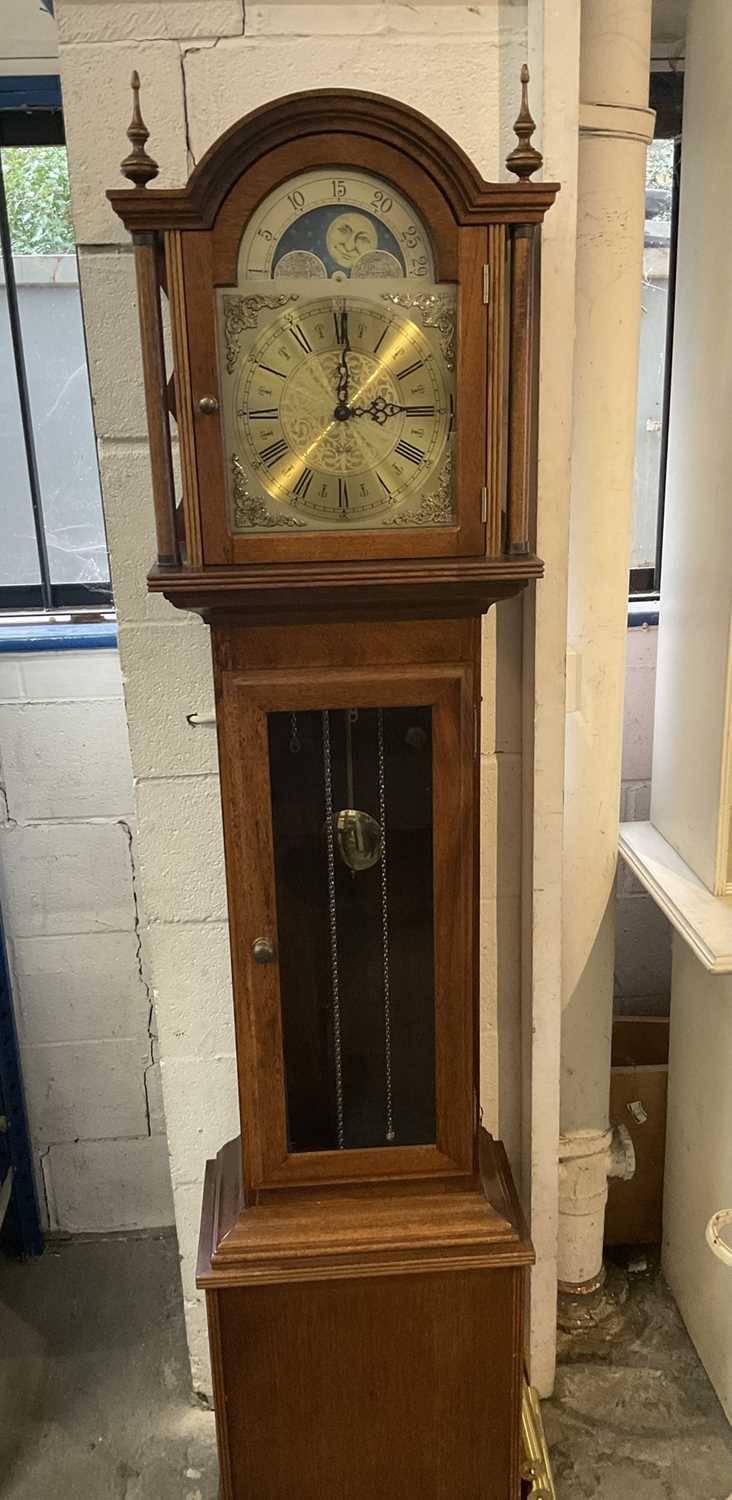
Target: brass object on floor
536,1471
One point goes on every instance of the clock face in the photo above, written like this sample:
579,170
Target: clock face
338,404
335,224
342,411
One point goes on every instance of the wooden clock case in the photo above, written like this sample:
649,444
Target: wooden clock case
365,1307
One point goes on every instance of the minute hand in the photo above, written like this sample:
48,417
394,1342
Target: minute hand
380,410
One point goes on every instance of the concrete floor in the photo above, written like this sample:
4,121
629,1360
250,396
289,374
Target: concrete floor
96,1400
95,1389
633,1416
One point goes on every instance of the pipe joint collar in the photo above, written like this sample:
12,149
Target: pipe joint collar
579,1144
583,1162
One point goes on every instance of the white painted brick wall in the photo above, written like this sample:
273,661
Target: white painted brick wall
65,760
459,63
98,1186
69,899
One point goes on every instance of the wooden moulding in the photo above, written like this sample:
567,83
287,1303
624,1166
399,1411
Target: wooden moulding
523,393
472,200
400,588
147,265
352,1230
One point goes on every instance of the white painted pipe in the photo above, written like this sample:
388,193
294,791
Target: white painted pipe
615,124
583,1164
587,1158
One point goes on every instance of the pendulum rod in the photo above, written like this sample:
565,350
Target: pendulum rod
333,928
390,1132
350,720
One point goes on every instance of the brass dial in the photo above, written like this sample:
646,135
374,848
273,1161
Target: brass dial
334,223
342,411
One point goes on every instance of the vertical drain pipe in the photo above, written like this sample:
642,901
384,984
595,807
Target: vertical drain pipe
615,128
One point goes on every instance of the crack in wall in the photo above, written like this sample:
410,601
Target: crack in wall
42,1159
186,118
6,821
137,929
186,48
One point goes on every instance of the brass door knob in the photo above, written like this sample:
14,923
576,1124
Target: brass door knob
208,405
263,951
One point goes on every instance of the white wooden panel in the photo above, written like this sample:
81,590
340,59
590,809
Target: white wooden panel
690,795
698,1175
703,920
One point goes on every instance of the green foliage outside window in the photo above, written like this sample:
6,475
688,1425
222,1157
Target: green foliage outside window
39,204
660,173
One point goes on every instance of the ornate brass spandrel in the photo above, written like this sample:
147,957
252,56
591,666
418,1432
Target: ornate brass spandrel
436,311
251,512
241,313
437,508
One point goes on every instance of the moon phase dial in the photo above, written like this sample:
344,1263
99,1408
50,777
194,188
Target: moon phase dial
342,225
342,412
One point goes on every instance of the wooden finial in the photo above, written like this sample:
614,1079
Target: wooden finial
138,166
524,159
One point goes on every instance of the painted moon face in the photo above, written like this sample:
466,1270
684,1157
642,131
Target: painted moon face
349,237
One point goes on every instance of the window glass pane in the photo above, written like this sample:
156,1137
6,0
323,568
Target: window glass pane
18,553
37,193
654,300
352,824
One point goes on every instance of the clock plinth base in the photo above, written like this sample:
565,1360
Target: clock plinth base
367,1342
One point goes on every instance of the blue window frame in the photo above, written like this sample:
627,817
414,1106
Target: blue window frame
54,555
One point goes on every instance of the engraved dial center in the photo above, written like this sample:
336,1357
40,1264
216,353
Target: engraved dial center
324,434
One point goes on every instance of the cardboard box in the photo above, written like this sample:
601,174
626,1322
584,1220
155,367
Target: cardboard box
638,1083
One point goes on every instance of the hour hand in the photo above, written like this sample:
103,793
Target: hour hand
378,410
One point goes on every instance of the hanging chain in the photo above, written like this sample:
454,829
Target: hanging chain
295,745
390,1132
334,977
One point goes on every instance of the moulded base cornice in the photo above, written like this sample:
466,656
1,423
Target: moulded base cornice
704,921
329,1233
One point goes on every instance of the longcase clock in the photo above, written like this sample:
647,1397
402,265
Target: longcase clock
354,317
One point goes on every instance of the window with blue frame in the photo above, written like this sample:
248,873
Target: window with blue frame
54,553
